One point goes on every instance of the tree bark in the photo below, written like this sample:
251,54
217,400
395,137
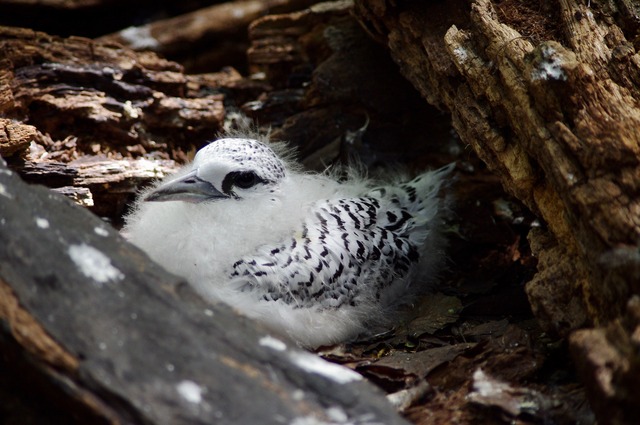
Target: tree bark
95,110
548,97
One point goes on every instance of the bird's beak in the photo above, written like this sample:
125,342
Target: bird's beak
188,188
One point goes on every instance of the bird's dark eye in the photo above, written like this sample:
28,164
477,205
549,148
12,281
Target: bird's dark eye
246,180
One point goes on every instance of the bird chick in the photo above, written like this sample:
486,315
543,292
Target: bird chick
309,256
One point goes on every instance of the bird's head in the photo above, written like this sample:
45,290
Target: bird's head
227,168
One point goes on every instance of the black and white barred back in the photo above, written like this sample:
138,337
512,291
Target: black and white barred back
311,257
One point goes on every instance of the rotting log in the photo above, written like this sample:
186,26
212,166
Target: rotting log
547,96
100,108
100,93
189,38
117,340
14,136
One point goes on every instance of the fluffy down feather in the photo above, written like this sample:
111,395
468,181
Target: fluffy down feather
312,257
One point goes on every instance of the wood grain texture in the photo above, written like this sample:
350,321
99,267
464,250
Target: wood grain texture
548,98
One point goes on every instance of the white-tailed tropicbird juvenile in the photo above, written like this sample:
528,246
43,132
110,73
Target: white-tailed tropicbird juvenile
309,256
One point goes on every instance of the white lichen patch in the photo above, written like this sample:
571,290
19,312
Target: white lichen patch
131,111
238,12
94,264
336,416
4,192
139,38
315,364
42,223
549,67
101,231
273,343
190,391
460,54
309,420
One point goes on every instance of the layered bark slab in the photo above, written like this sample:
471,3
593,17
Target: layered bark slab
548,98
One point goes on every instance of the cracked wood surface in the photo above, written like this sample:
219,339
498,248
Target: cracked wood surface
550,103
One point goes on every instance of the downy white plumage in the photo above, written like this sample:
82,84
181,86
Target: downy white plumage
309,256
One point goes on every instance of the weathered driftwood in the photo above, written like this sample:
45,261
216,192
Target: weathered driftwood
56,4
123,341
223,26
83,99
548,98
14,136
103,185
101,94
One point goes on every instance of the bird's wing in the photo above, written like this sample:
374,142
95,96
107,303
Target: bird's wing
347,251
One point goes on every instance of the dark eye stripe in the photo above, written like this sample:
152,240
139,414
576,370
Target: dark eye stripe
227,184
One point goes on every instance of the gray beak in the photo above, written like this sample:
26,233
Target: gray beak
188,188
